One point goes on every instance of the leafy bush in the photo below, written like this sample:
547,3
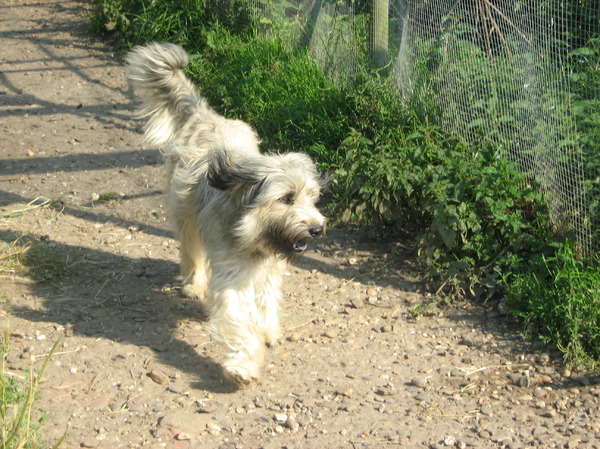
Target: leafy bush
283,94
181,21
559,297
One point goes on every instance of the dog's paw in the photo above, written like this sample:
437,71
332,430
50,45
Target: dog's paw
193,291
243,378
272,337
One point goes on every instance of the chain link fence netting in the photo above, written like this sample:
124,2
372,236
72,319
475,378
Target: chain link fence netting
521,75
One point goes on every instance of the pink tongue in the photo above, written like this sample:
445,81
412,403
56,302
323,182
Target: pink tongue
300,246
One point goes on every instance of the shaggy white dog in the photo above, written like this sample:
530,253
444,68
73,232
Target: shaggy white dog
239,215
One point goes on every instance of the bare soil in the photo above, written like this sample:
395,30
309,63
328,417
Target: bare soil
135,366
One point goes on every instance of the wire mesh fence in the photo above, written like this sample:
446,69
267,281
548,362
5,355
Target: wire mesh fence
521,75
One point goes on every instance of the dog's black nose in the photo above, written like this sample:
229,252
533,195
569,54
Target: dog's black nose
315,231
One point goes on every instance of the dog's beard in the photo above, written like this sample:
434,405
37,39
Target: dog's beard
288,246
284,241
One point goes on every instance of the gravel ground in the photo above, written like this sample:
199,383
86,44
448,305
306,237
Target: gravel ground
135,366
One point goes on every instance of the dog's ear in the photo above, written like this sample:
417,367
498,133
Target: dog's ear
226,174
325,180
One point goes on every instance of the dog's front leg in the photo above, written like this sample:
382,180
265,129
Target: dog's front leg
235,321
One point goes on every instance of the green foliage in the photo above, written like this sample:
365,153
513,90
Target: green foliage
289,101
180,21
474,219
559,297
18,428
585,85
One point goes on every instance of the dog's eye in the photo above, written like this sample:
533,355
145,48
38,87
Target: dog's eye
287,199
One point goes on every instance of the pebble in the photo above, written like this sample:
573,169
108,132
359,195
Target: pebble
331,333
294,337
484,434
423,397
213,428
486,409
281,417
158,377
524,381
357,303
292,424
387,390
177,389
420,382
449,441
540,393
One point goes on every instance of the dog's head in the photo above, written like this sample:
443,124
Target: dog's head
277,197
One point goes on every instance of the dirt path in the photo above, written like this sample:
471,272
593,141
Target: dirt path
135,366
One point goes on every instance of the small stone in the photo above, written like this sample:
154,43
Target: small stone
542,359
387,328
177,389
183,436
281,417
423,397
357,303
582,380
524,381
345,393
420,382
387,390
212,428
158,377
449,441
487,410
331,333
294,337
540,393
484,434
292,424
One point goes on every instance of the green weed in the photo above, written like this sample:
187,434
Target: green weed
560,296
19,428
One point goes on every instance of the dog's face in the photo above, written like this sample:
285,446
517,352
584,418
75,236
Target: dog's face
277,196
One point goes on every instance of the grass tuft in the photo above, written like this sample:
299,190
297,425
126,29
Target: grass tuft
19,429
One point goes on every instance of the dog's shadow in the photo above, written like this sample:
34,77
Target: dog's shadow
101,295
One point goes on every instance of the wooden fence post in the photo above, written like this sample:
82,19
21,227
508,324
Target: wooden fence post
379,32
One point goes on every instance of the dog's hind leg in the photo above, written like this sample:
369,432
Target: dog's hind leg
194,265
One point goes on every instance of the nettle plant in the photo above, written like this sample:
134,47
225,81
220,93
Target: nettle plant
476,222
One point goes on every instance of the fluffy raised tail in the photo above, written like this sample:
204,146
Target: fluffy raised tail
168,97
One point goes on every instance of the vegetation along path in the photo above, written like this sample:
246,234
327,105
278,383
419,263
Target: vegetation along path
87,259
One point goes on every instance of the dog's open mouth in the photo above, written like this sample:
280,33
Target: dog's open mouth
300,246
